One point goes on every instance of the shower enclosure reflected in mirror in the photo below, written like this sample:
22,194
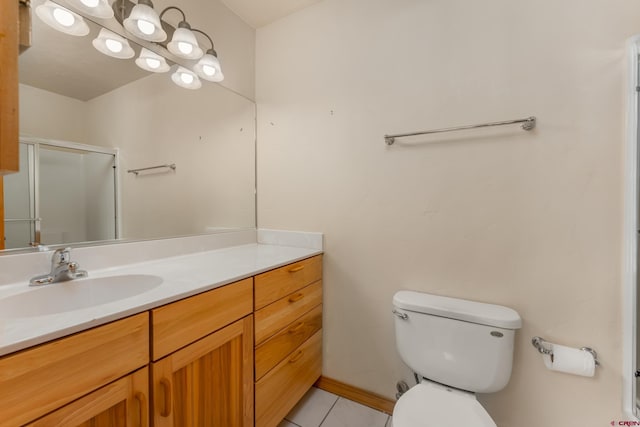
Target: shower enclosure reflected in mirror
63,193
208,133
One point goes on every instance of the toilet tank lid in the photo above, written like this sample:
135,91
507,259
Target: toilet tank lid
460,309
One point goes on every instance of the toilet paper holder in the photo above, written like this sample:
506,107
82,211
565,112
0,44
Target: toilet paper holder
539,344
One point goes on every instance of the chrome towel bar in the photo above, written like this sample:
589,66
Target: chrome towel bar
172,166
527,124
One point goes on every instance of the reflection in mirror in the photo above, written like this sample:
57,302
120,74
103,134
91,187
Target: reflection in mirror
71,92
636,124
63,193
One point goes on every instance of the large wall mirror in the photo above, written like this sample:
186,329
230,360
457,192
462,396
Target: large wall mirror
76,103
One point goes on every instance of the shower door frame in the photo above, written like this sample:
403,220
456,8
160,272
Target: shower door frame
34,143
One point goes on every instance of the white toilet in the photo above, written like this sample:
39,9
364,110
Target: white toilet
458,348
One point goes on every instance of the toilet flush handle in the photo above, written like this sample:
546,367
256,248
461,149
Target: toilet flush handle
403,316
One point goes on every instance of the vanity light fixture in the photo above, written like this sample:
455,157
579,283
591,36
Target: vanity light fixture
62,19
183,43
144,22
96,8
208,67
186,79
113,45
151,61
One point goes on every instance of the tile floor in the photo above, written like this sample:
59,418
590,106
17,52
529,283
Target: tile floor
319,408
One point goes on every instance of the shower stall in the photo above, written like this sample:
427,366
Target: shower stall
64,193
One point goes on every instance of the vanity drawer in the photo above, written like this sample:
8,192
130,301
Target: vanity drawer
275,284
281,313
279,390
271,352
36,381
180,323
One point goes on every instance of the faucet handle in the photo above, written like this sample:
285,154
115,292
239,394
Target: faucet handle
60,256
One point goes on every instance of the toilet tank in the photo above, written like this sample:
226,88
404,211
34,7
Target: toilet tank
459,343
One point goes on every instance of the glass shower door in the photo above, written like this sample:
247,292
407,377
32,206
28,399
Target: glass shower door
76,195
62,194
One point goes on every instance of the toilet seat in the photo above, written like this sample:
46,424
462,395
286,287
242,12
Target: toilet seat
433,405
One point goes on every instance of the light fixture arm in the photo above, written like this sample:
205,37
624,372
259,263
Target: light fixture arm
211,51
181,24
121,5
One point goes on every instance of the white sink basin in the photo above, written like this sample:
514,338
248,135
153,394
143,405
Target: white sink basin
76,294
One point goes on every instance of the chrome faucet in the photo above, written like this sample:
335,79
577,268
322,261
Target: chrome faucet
62,269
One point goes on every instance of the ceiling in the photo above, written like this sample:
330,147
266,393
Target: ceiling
70,66
258,13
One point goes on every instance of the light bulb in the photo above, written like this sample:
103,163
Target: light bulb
208,67
185,48
146,27
186,78
63,17
94,8
184,44
113,45
208,70
153,63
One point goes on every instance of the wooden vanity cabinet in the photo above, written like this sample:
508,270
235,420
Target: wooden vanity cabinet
288,337
215,359
43,379
202,374
122,403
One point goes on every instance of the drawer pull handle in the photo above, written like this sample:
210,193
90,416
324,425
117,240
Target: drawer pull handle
142,401
297,357
166,386
296,328
296,297
296,269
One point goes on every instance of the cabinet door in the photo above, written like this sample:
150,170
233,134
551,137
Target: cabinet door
41,379
208,383
9,87
122,403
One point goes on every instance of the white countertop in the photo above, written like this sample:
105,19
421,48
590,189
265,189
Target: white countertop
183,276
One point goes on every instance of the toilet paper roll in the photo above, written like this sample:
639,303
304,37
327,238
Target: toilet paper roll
570,360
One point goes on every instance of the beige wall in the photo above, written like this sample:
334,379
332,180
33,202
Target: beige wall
209,134
48,115
527,220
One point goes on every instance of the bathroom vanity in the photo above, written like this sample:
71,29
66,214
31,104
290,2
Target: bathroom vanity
237,354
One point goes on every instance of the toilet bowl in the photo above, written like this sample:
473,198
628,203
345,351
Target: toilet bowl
433,405
459,348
